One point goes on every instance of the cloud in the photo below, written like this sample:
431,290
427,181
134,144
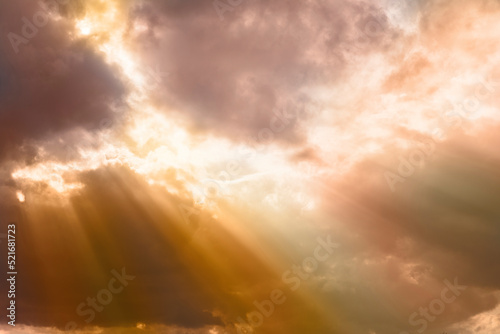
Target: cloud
54,82
440,223
231,76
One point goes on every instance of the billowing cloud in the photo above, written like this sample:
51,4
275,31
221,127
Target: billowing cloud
51,81
233,69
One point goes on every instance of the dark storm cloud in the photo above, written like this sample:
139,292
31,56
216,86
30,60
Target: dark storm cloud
52,83
232,75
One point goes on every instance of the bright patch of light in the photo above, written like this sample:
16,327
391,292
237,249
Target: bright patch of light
20,196
84,27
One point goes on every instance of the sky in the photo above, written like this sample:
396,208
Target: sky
251,166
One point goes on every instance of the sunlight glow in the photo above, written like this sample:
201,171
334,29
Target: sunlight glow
20,196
